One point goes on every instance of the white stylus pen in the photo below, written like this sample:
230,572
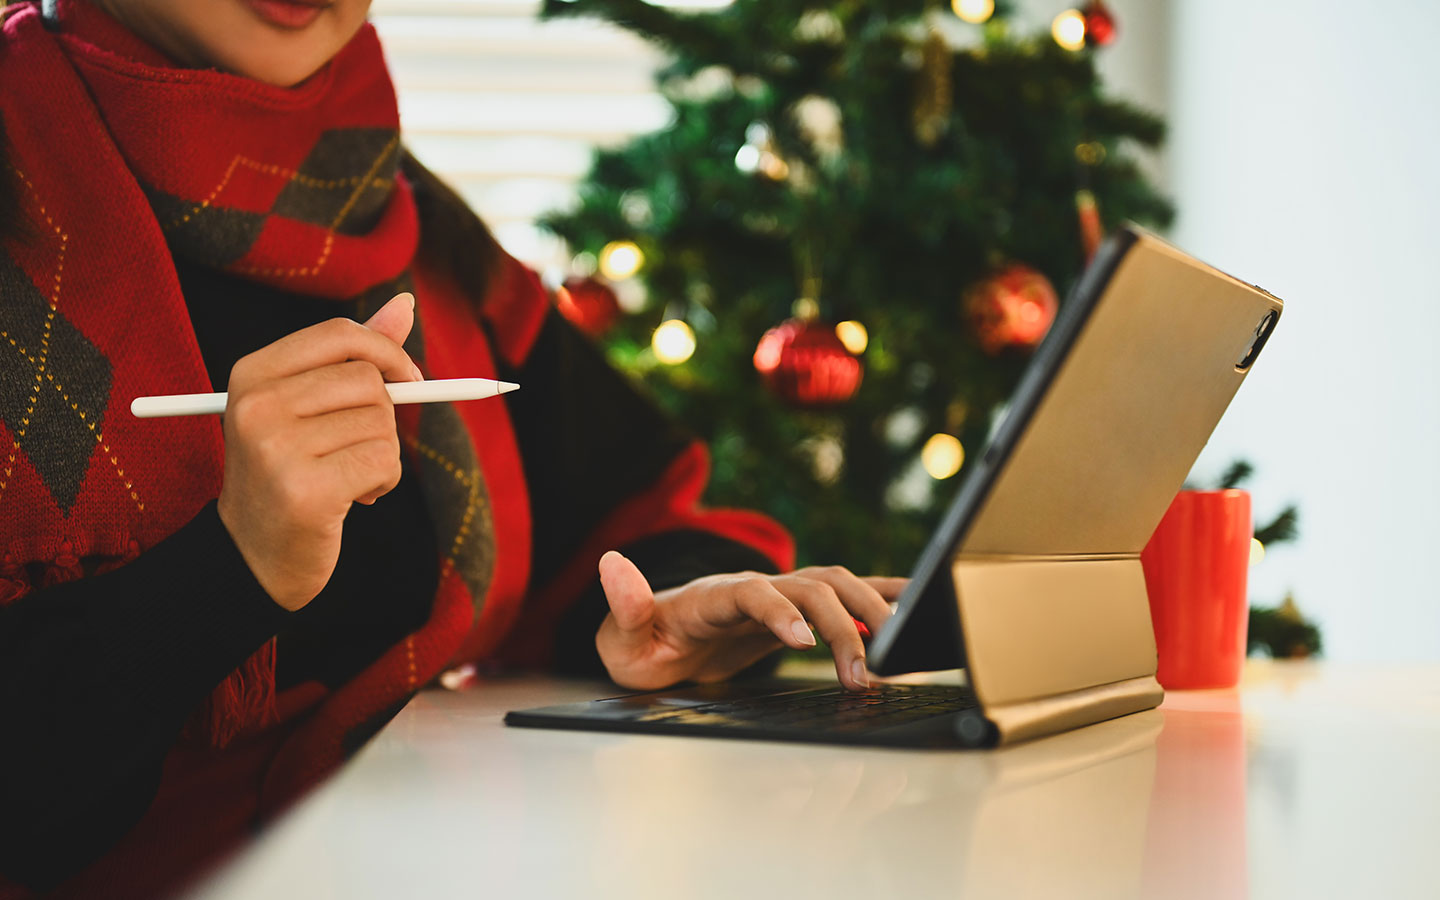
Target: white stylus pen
441,390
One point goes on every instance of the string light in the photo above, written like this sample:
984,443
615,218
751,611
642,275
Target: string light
853,335
773,166
620,260
942,456
759,155
673,342
973,11
1068,29
1257,551
747,158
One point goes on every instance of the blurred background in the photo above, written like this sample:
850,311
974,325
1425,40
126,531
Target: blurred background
1298,155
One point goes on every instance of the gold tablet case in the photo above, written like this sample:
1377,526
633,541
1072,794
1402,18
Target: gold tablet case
1053,610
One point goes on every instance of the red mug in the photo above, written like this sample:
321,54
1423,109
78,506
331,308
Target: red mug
1195,569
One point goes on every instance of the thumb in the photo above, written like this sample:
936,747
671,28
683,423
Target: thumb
632,603
395,318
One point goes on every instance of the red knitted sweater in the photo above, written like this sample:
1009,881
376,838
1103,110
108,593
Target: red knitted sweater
124,162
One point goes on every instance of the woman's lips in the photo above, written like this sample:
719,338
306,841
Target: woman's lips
287,13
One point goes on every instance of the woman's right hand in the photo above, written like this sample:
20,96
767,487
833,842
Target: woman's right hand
310,429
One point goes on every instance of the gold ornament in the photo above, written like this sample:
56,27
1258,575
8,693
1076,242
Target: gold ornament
1090,153
805,309
819,120
934,96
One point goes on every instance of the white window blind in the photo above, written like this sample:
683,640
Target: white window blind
508,108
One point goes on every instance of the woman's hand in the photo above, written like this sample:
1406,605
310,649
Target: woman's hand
715,626
310,429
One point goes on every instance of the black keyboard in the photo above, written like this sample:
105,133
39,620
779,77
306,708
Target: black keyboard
824,709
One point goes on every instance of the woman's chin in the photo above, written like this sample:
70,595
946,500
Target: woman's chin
268,44
287,71
281,60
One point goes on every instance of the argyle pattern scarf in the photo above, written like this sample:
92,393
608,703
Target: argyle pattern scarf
124,160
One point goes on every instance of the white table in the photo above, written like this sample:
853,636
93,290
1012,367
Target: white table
1310,781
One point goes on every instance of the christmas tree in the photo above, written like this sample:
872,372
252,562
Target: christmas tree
836,260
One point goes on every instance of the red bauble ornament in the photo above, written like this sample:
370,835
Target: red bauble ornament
589,304
806,364
1013,308
1100,24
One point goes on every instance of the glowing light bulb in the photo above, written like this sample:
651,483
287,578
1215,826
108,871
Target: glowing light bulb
974,11
1257,551
1068,29
620,260
673,342
853,335
773,166
942,456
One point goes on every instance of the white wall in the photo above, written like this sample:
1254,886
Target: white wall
509,108
1304,137
1303,158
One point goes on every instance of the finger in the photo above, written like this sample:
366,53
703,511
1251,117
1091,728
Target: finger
346,385
330,342
821,605
887,586
368,469
757,599
395,320
370,498
320,436
859,598
632,603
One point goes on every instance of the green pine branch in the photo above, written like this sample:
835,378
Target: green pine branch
1283,528
898,231
1239,472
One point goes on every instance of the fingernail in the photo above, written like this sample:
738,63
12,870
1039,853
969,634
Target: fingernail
857,672
419,375
609,553
803,634
412,299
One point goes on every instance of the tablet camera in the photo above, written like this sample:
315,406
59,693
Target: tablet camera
1261,335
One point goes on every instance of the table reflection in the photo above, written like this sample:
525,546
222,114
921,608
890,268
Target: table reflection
1144,805
1195,846
1064,816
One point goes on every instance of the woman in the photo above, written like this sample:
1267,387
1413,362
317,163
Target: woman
199,618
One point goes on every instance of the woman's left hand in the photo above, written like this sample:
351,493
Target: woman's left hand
715,626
